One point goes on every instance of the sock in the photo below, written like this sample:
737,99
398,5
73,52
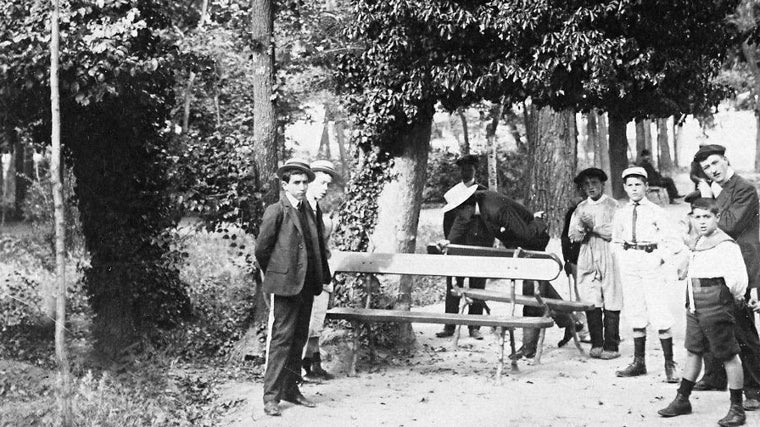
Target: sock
316,358
306,364
667,348
736,396
686,387
639,345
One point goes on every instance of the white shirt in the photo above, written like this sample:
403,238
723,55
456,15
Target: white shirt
652,226
724,260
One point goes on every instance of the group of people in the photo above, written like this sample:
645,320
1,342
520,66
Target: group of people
618,259
620,253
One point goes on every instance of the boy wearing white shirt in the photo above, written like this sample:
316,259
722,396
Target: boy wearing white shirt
716,280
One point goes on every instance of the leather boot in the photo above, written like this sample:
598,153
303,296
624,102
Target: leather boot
316,369
679,406
735,416
638,367
529,344
671,375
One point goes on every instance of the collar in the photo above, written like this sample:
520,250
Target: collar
293,201
596,202
312,202
708,242
729,174
643,201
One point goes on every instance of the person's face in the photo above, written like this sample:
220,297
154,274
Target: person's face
635,188
593,187
715,167
318,188
705,221
467,171
297,185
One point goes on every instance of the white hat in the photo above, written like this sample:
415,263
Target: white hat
299,165
635,170
457,195
325,166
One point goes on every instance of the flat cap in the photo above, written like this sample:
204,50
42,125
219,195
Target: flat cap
694,195
467,159
635,170
706,151
590,173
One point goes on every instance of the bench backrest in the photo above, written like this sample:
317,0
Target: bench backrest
535,268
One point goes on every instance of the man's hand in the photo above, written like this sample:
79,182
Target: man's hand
442,244
539,214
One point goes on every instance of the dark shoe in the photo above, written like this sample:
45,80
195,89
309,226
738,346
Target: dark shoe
751,404
299,399
735,417
522,352
568,336
671,372
679,406
318,372
445,333
636,368
705,386
474,333
272,409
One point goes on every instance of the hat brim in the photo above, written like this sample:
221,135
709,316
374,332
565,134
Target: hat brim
460,198
331,172
309,173
591,173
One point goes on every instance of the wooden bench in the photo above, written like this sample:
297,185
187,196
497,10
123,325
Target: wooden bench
551,305
435,265
659,195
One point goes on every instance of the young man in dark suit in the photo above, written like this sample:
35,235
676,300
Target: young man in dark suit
290,251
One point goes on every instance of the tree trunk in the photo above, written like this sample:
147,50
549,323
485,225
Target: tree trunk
191,77
750,53
602,150
641,138
340,139
20,178
60,228
399,206
592,141
665,163
648,136
464,145
551,164
265,149
491,144
677,129
323,152
618,152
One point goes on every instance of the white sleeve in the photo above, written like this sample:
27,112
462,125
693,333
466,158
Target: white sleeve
735,270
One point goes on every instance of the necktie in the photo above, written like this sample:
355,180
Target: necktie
634,217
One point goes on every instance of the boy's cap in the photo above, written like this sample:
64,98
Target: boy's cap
468,159
325,166
457,195
635,170
590,173
706,151
694,195
299,165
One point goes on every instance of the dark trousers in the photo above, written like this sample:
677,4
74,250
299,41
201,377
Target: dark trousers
749,346
452,302
546,289
288,334
670,186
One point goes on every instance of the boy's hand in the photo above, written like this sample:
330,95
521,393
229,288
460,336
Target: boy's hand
754,305
442,244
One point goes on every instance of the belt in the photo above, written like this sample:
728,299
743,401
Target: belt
706,282
646,247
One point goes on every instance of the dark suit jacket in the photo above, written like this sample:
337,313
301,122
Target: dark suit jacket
740,219
503,218
450,216
281,251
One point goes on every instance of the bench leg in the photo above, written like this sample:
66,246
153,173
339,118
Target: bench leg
371,341
512,348
500,368
354,350
540,349
458,330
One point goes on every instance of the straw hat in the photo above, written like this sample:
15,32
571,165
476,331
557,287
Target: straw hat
299,165
457,195
325,166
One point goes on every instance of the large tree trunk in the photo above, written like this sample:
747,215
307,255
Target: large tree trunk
21,179
750,53
602,149
265,149
677,129
464,145
399,206
641,138
665,162
618,154
60,228
551,165
648,136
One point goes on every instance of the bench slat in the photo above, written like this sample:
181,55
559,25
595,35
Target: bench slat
454,249
377,315
452,265
554,304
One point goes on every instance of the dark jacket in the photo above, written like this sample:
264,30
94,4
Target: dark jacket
281,251
503,218
740,219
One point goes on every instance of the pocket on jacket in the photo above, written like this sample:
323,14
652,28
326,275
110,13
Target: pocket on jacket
278,268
